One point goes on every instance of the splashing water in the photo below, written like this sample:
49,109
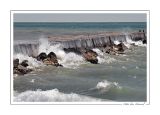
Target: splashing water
129,41
102,57
68,60
32,62
107,85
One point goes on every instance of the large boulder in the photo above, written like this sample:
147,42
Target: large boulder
91,56
41,56
50,59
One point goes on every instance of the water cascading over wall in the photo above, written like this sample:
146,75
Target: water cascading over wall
31,49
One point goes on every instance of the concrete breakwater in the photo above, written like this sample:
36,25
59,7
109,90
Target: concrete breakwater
86,41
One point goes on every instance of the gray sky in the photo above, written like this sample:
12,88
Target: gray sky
80,17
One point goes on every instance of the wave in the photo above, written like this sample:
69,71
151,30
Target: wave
32,62
129,41
105,85
68,60
53,95
102,57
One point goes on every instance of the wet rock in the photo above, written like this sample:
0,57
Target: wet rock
20,68
23,70
15,71
53,58
25,63
41,56
91,56
15,63
144,41
75,50
107,49
115,49
118,47
48,61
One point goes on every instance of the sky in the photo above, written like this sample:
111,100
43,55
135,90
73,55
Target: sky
80,17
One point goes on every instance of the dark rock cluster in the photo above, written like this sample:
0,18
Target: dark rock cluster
20,68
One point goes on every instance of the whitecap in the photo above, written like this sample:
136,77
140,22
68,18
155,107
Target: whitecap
53,95
107,85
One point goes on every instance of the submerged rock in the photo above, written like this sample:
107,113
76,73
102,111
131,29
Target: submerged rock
91,56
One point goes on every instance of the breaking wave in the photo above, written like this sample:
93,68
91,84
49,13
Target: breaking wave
53,95
129,41
68,60
107,85
102,57
32,62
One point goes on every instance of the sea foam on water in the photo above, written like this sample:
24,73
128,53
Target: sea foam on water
53,95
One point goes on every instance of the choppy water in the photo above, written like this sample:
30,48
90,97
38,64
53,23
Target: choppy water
116,78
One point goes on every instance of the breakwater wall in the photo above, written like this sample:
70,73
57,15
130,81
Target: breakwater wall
80,41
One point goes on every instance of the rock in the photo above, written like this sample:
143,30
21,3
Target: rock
21,68
25,63
41,56
144,41
107,49
53,58
15,63
118,47
75,50
91,56
15,71
52,55
115,49
48,61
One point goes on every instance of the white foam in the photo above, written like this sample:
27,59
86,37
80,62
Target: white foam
124,67
31,61
116,42
102,57
107,85
129,41
51,96
32,81
43,45
68,60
